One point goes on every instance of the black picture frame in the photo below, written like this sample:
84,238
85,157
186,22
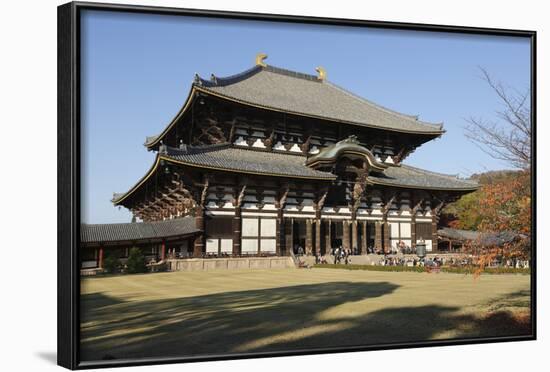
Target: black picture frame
69,139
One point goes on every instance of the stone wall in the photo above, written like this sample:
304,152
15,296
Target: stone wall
210,264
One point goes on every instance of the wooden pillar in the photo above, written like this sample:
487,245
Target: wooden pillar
309,237
100,258
289,235
354,240
278,235
280,244
364,237
198,246
345,235
237,223
387,241
318,236
378,244
413,230
163,250
328,236
434,232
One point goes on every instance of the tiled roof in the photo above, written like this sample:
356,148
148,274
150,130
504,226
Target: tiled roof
483,238
407,176
104,233
275,88
247,161
227,158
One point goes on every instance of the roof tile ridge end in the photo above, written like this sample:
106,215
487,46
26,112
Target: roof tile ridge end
218,81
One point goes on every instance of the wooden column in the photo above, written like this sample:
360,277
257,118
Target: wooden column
434,232
309,237
413,231
280,238
198,245
289,235
163,250
364,237
416,207
387,241
328,236
378,244
354,240
100,258
237,223
318,236
279,233
345,235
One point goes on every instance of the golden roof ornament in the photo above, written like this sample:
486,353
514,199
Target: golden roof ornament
322,73
260,59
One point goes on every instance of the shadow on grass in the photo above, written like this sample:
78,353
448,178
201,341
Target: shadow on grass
287,318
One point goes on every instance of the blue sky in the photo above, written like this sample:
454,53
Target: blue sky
137,70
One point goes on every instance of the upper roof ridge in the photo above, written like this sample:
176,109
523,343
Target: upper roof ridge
220,81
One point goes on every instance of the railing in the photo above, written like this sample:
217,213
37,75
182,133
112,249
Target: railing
294,258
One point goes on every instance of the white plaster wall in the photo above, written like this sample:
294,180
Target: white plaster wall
249,245
295,148
240,141
267,245
394,229
249,227
405,230
258,143
211,245
226,245
268,227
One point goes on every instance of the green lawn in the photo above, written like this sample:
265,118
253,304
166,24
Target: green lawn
197,313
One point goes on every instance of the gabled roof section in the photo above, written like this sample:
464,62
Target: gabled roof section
136,231
303,94
273,88
240,160
226,158
499,238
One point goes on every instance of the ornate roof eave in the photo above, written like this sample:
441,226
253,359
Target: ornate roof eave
152,141
201,85
435,133
118,199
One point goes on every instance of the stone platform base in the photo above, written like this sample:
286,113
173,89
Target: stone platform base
374,259
209,264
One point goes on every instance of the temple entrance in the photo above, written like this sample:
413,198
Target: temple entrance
298,236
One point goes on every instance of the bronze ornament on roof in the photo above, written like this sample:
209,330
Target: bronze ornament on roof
349,146
260,57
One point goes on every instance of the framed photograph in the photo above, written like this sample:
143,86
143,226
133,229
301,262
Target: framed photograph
237,185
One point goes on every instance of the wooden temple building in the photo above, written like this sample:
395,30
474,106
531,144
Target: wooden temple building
270,160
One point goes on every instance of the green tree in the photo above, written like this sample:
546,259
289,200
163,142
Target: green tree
111,264
136,262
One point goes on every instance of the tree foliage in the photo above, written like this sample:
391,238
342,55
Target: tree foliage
507,137
136,262
503,203
111,264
